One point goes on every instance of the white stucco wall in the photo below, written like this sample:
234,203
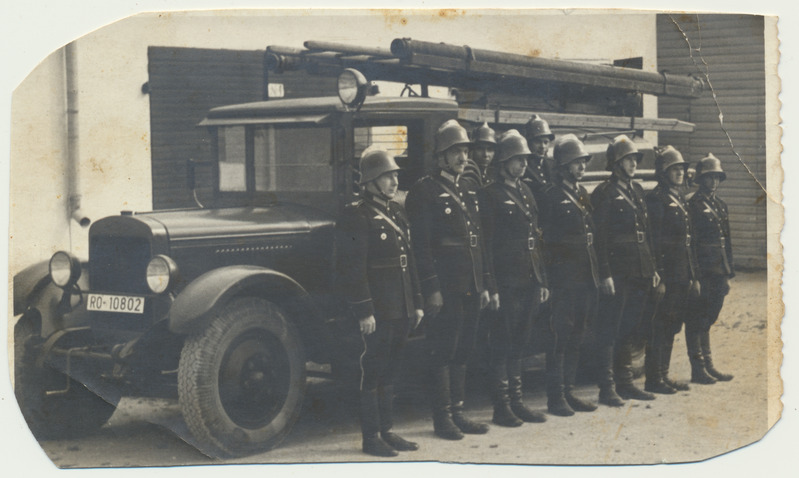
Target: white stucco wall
114,113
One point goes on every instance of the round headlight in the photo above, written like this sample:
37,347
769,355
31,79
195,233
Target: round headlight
351,87
64,269
161,271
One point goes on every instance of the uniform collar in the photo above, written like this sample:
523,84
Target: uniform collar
369,197
450,177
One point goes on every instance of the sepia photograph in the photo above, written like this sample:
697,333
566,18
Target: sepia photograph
485,236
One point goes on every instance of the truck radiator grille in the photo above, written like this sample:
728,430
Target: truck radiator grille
119,264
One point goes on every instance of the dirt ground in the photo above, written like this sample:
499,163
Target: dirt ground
687,427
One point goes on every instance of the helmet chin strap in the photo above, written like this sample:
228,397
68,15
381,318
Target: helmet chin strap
376,190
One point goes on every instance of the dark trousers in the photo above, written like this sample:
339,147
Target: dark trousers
669,314
571,309
451,335
619,325
705,309
510,329
381,349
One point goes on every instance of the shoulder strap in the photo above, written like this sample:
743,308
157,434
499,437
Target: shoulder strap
390,222
454,195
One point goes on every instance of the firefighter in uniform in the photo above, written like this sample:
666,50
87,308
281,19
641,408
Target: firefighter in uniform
538,175
379,281
513,238
448,244
675,257
714,252
627,272
484,144
573,273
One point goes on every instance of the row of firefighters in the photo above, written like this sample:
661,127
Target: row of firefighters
495,235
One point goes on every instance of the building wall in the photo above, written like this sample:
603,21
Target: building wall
730,50
114,113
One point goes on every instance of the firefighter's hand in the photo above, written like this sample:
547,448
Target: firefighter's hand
494,302
660,291
418,315
484,299
544,294
606,287
655,280
695,289
433,304
368,325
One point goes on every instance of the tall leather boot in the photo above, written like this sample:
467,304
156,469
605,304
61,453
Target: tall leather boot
503,415
711,370
698,372
571,360
605,379
515,393
370,425
623,371
654,379
664,367
457,380
442,412
556,399
385,402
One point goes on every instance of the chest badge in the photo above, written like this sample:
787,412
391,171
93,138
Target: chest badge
383,236
447,211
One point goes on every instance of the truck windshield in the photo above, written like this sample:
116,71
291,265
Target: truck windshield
284,158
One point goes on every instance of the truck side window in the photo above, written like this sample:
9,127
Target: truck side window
232,159
293,158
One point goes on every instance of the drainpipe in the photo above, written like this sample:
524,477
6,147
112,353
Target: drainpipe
73,152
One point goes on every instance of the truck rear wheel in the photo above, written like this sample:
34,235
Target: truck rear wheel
241,380
72,411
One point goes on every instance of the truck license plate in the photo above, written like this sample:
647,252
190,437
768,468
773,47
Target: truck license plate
115,303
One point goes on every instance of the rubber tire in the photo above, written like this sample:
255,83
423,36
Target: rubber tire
77,413
248,332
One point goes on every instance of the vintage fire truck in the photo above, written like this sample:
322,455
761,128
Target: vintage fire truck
225,305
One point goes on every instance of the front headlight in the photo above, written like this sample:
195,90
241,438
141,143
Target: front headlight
64,269
161,273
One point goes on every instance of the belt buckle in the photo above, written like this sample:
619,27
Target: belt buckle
473,240
688,240
589,237
530,243
640,236
403,261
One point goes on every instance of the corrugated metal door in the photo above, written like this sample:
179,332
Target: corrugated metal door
730,50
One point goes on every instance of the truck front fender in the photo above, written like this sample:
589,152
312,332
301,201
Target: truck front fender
197,303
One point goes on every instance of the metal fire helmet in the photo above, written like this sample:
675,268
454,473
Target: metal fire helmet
710,164
511,144
450,134
621,147
569,148
374,162
536,127
484,134
667,157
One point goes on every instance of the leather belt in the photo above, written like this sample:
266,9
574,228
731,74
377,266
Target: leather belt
639,237
529,243
459,242
388,262
587,239
678,240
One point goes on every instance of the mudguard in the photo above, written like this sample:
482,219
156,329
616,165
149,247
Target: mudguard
27,283
194,307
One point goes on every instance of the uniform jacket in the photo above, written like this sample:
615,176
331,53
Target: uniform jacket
538,178
569,236
623,242
510,219
712,225
376,267
672,235
447,241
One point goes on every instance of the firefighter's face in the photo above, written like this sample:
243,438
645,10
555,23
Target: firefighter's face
539,146
675,175
515,166
627,166
576,169
710,182
483,153
385,185
454,159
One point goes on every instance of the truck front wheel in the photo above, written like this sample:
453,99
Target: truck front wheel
241,380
